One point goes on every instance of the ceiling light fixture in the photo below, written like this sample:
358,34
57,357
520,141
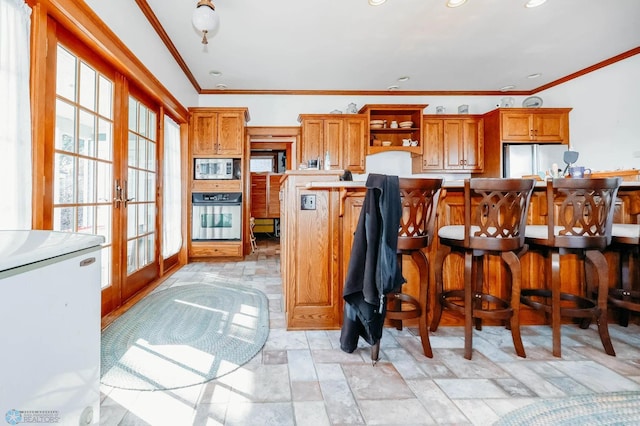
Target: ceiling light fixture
507,87
455,3
215,73
221,86
534,3
404,78
534,75
205,19
394,87
376,2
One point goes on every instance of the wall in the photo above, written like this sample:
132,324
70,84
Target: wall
604,122
126,20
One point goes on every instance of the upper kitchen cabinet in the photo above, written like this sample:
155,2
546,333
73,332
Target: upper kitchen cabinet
218,131
390,126
451,143
535,125
343,137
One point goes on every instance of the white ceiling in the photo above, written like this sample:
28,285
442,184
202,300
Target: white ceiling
348,45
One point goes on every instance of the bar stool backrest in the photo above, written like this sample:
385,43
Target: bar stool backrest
419,198
580,212
497,222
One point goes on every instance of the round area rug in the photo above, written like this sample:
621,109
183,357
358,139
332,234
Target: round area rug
616,408
184,335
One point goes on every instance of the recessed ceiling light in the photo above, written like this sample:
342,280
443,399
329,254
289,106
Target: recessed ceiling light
376,2
455,3
394,87
221,86
215,73
508,87
534,75
404,78
534,3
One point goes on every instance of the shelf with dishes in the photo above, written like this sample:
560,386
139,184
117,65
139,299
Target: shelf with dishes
394,128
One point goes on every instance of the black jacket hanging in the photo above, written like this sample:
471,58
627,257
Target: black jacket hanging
373,266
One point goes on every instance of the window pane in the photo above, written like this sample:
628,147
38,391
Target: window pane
86,181
103,183
151,187
86,219
64,179
133,150
142,219
105,94
150,249
64,219
103,216
87,134
142,186
142,123
133,114
106,267
104,143
132,211
66,74
65,126
151,218
142,252
132,185
151,157
132,256
87,87
142,153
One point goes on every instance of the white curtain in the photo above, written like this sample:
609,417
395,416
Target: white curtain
15,116
171,194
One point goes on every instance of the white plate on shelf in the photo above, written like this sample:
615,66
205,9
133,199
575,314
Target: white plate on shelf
532,102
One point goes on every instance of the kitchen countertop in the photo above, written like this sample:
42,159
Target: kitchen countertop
19,248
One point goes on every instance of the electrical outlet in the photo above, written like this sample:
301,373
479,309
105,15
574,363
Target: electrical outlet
307,202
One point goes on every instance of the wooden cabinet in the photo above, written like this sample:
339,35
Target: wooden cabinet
388,114
217,132
521,125
452,144
342,136
265,195
310,247
527,125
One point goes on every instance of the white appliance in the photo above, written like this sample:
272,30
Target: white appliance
532,159
216,216
50,327
216,168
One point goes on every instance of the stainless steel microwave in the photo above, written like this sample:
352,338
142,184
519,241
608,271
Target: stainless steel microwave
215,168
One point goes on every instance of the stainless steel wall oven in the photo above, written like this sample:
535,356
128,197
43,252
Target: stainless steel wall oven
216,216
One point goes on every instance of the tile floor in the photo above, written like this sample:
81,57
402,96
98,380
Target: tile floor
303,378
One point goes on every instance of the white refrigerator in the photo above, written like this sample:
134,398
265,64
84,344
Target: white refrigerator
50,327
532,159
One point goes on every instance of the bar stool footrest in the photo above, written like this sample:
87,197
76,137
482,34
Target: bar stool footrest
414,311
584,308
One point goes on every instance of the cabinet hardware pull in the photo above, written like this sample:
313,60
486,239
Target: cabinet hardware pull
88,261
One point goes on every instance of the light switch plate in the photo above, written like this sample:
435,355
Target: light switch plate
307,202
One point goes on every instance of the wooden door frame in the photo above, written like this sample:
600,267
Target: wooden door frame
281,138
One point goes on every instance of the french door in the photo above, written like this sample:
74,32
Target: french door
104,174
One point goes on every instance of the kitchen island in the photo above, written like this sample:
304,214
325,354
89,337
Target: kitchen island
320,214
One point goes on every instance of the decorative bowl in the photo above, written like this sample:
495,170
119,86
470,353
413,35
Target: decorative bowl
386,143
405,124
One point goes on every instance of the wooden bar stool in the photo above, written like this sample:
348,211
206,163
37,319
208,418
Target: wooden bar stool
579,220
495,214
419,198
625,238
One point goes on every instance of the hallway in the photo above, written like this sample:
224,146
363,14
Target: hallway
303,378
